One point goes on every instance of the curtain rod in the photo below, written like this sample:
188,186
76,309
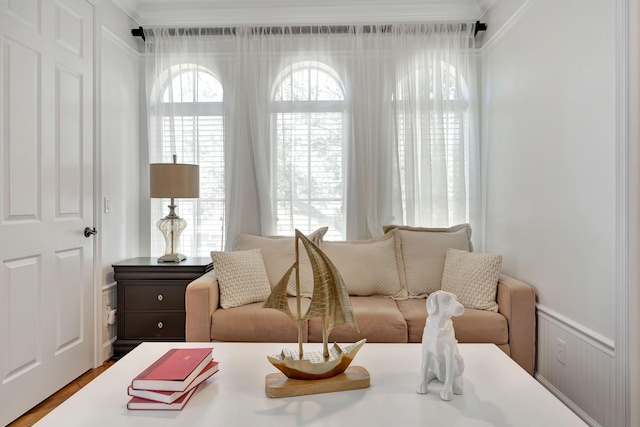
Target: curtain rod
217,31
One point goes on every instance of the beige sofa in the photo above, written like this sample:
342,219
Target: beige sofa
388,280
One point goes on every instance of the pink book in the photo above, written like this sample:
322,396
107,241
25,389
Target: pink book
177,405
166,396
174,371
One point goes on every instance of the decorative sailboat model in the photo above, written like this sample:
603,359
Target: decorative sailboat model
330,302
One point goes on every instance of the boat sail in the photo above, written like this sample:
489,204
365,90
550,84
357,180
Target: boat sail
330,302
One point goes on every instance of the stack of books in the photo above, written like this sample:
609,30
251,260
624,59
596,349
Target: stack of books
169,382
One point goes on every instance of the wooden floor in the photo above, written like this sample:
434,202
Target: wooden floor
43,408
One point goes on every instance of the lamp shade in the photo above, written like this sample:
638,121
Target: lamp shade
174,180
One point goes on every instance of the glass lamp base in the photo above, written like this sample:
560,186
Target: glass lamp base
171,227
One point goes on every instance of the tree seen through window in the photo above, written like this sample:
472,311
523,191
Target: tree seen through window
307,145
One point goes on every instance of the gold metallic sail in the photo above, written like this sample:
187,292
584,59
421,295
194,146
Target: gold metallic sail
330,298
278,297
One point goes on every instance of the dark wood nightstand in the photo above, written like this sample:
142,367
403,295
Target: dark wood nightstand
151,299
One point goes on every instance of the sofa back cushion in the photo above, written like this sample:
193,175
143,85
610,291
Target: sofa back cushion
424,252
279,253
370,267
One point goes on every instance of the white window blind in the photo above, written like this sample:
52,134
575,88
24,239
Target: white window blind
307,145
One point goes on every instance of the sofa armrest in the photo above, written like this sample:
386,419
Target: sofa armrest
517,302
201,300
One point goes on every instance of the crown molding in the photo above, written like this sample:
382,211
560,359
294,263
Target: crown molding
131,7
298,12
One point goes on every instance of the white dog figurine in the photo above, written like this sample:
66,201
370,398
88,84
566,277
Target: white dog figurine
440,356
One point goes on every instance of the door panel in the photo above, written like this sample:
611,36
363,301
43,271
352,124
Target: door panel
21,144
46,185
21,286
69,293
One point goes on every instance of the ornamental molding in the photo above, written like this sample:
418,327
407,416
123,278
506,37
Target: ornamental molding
226,13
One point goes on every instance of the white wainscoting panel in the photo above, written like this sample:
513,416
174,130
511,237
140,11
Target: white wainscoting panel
586,380
109,299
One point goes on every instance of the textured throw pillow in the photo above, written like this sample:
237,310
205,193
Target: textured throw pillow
242,277
279,253
473,278
370,267
424,251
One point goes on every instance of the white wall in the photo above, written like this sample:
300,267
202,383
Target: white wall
634,210
549,135
119,66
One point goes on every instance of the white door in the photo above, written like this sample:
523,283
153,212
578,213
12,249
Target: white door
46,199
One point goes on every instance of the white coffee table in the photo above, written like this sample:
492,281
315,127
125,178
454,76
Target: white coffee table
497,392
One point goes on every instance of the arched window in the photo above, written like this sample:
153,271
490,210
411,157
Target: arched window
308,112
432,112
190,116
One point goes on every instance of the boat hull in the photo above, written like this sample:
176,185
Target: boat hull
313,366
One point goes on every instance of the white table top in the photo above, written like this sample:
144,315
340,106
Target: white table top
497,392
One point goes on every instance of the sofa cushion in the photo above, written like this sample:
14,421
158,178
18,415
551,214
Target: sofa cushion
378,318
241,276
424,251
474,326
279,253
370,267
473,278
251,322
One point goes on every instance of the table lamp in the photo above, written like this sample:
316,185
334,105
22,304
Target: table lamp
173,180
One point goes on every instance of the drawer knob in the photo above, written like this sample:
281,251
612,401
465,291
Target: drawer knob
160,325
160,297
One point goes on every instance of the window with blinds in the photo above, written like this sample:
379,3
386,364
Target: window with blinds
308,112
193,128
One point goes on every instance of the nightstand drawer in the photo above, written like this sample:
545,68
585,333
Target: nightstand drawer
151,296
154,325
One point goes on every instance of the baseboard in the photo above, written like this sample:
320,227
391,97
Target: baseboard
107,349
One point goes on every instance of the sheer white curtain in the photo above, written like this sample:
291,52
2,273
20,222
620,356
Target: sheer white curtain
414,157
409,131
353,128
190,86
294,94
374,195
436,126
